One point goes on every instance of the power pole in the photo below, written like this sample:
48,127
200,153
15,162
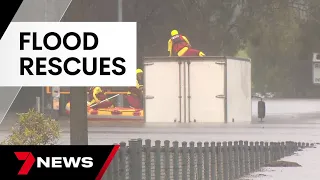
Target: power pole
120,15
78,116
78,95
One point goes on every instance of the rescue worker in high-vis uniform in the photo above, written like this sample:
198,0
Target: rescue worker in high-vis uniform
135,94
96,95
180,45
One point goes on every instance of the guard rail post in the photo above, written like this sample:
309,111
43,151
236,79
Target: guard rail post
251,152
256,156
206,158
231,160
192,160
246,158
184,159
262,154
133,159
199,160
167,160
267,153
241,159
122,160
139,155
213,161
147,162
236,160
175,160
219,161
225,161
157,160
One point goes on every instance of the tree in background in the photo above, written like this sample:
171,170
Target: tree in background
279,36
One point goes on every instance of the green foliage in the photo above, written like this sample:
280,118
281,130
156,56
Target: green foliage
33,128
242,53
276,35
209,25
281,36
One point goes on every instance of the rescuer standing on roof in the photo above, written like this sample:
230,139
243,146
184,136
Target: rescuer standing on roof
135,94
180,45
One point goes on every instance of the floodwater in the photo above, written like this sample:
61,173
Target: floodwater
293,119
286,120
288,106
289,110
308,159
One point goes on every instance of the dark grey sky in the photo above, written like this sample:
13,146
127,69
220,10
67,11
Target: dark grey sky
32,11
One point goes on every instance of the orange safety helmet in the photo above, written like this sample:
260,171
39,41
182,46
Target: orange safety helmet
174,32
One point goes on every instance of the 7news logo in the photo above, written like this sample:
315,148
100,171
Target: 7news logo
51,162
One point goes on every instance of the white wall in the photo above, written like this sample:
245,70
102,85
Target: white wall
238,90
206,82
162,82
198,93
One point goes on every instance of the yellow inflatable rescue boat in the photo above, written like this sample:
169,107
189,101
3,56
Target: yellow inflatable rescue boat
113,114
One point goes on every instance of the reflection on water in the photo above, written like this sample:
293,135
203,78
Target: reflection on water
288,106
273,106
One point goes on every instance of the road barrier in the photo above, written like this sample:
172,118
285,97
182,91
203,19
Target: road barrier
198,161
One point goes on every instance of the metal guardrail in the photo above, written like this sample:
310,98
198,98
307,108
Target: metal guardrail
200,161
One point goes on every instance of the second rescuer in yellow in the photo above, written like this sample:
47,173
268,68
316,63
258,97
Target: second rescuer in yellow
135,94
96,95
